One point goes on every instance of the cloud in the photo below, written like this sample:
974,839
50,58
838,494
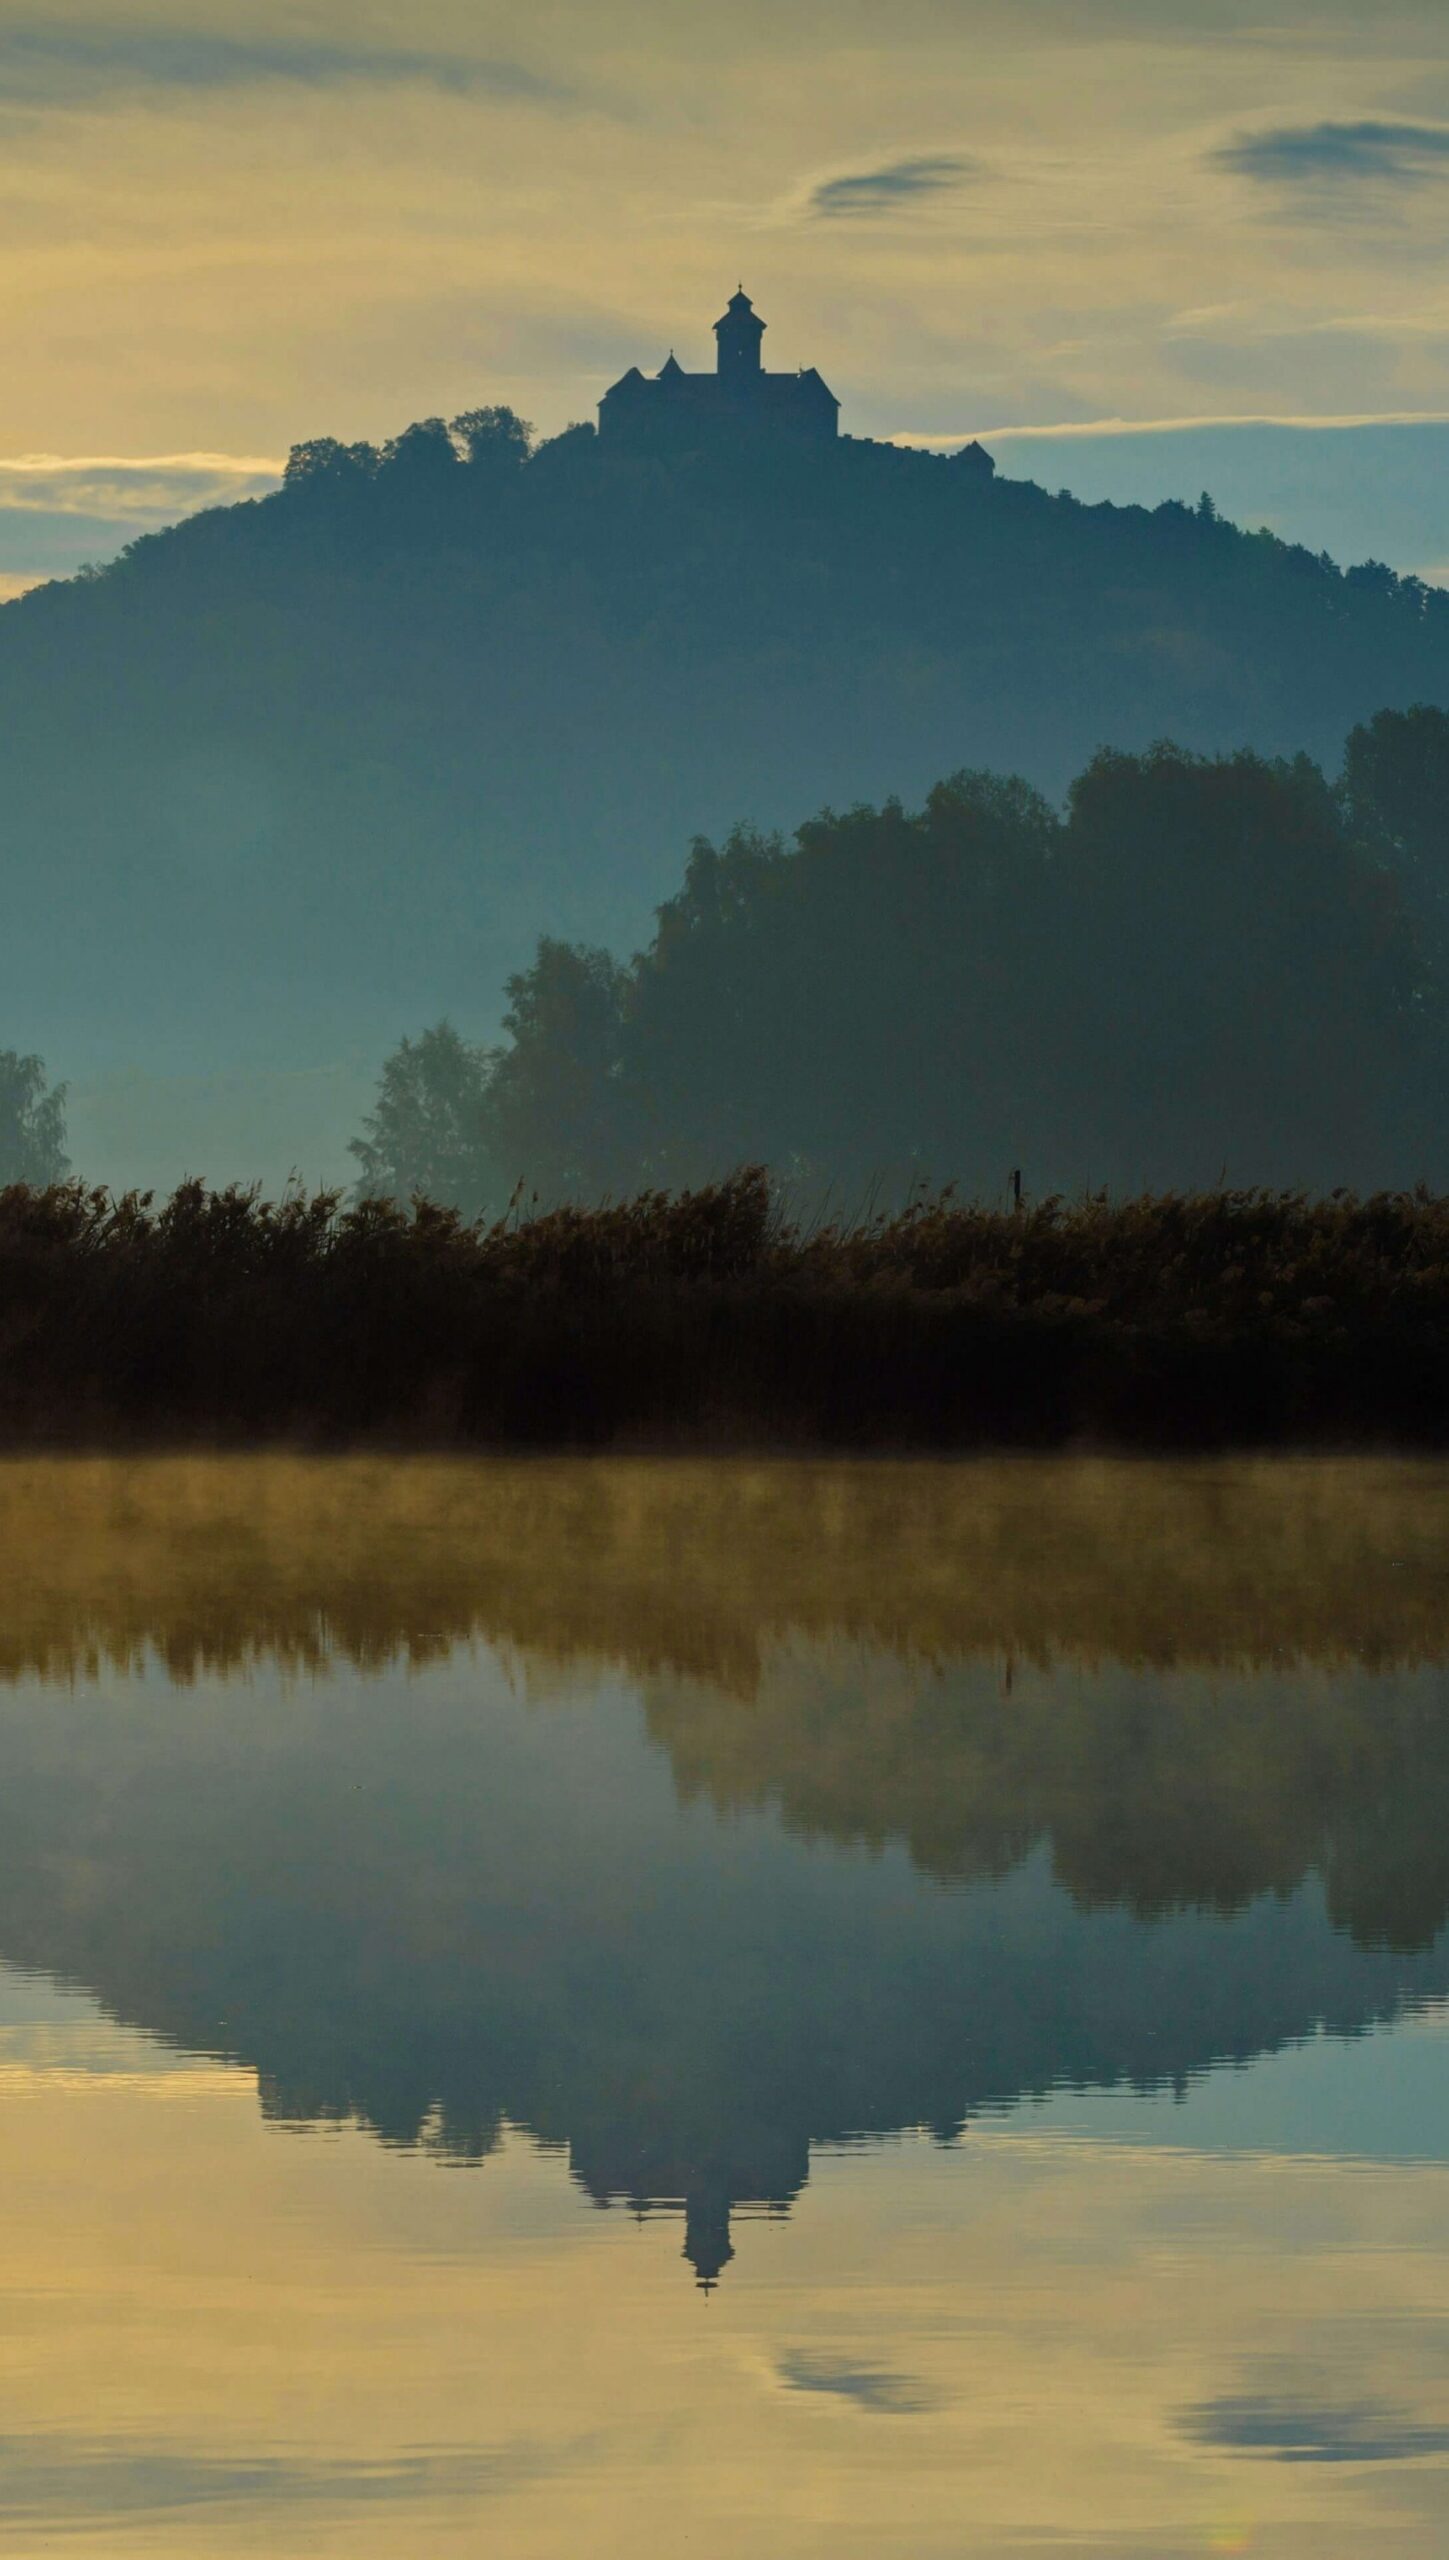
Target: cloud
142,489
48,63
866,2386
82,2478
60,512
877,191
1326,154
930,442
1293,2431
1234,325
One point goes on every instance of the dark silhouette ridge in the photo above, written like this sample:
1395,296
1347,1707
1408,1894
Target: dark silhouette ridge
305,769
502,1895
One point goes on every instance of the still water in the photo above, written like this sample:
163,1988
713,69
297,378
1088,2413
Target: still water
754,2011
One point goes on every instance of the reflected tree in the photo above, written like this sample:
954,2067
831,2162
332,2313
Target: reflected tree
32,1122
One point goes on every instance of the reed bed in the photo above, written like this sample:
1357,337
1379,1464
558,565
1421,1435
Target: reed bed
711,1318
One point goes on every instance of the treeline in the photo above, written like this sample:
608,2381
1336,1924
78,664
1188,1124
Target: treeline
709,1319
1203,970
424,462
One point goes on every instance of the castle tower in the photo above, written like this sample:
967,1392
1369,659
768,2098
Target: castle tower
707,2242
737,338
739,405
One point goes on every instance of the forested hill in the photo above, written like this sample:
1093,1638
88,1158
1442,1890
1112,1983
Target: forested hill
305,771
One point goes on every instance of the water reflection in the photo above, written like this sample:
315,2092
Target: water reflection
692,1817
694,1568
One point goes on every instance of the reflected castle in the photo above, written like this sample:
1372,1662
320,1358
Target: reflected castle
503,1894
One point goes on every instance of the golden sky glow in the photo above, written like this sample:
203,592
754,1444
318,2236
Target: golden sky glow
221,228
241,2340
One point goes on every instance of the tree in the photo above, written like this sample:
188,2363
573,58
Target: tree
32,1123
423,1136
1206,969
854,1007
424,455
1246,979
323,463
553,1114
1395,792
496,439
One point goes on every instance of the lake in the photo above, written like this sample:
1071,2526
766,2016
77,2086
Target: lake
759,2010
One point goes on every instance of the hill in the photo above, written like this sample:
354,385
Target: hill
299,773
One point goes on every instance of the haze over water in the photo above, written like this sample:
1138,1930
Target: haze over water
762,2010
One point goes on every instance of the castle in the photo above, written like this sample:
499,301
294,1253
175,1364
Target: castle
676,411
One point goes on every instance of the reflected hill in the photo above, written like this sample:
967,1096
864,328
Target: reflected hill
690,1816
1178,1791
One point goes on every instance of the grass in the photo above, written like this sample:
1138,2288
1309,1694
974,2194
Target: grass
1226,1319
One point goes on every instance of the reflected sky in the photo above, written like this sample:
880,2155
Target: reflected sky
786,2055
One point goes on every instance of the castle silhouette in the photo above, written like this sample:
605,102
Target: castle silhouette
675,410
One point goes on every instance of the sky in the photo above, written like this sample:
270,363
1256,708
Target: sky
227,227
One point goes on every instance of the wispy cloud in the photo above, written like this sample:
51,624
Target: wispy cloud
48,62
1079,427
60,512
887,190
140,487
1234,324
80,2478
864,2386
1331,154
1294,2431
